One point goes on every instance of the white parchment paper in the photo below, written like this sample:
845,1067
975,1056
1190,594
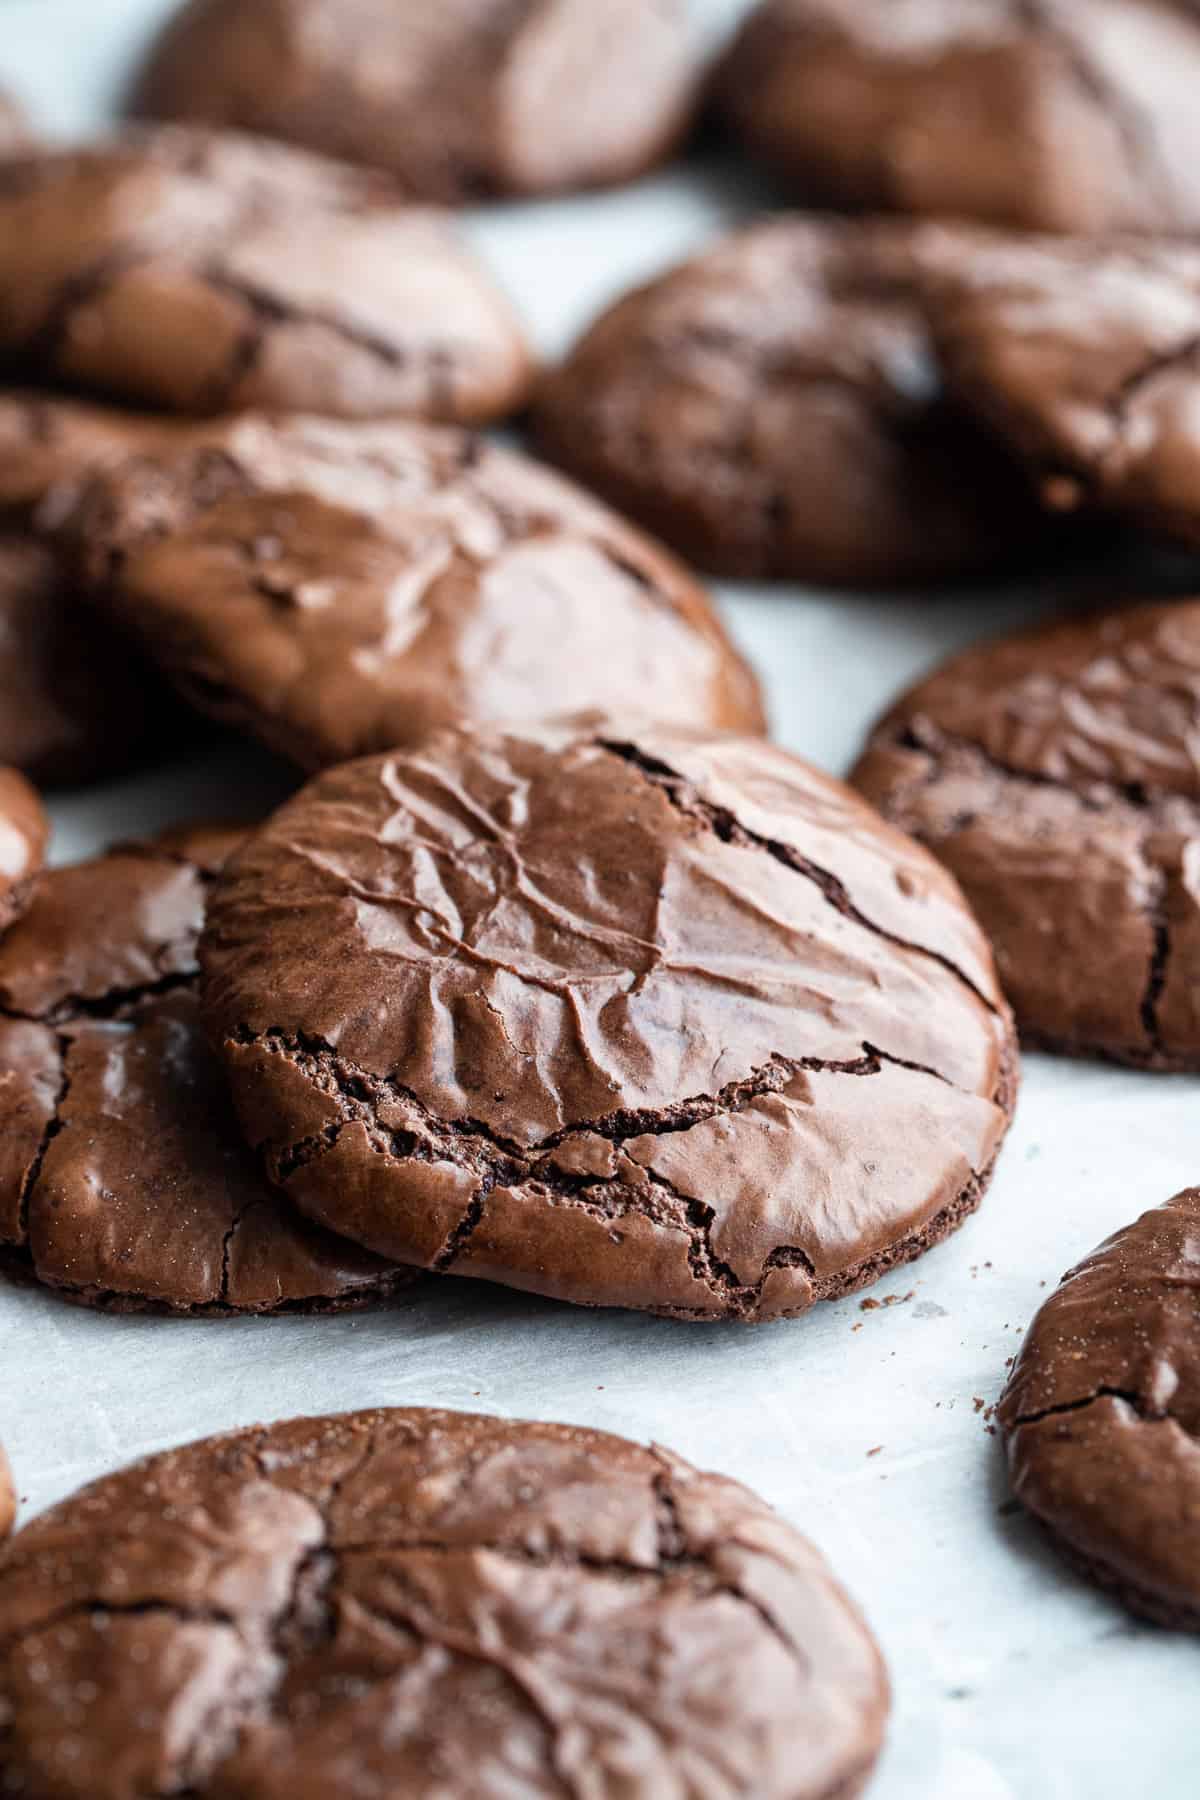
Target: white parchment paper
1013,1680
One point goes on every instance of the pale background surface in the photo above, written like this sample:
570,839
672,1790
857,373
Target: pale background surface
1013,1680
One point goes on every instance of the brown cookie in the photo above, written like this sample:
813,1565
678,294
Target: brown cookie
205,273
676,1024
123,1179
429,1604
1054,773
1084,360
337,589
772,408
24,833
1101,1415
1069,116
8,1497
459,100
14,126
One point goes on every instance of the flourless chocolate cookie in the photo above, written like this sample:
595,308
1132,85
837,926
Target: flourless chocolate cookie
1083,358
8,1497
772,408
429,1604
1055,774
24,831
459,100
675,1023
1069,116
123,1179
14,126
204,273
1101,1415
344,588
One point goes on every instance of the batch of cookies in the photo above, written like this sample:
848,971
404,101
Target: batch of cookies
553,971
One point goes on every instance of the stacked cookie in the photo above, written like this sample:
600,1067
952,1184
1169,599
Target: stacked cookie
553,972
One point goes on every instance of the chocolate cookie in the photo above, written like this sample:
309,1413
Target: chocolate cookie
772,408
1101,1414
204,273
1054,773
1055,115
468,98
123,1179
24,832
14,126
8,1497
340,589
676,1023
429,1604
1083,359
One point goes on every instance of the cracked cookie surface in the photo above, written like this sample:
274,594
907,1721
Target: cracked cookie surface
429,1603
685,403
460,100
1071,116
1084,359
123,1180
1054,773
673,1023
24,833
205,272
1101,1414
339,588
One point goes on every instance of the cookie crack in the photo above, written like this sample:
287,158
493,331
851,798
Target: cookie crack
724,824
363,1090
1131,1398
268,311
499,1163
107,1008
122,1609
51,1129
81,290
240,1214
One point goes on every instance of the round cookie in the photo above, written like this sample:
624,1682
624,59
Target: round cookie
1083,359
1101,1414
673,1023
1072,116
123,1179
24,832
337,589
1054,773
772,408
461,100
429,1604
204,273
8,1497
